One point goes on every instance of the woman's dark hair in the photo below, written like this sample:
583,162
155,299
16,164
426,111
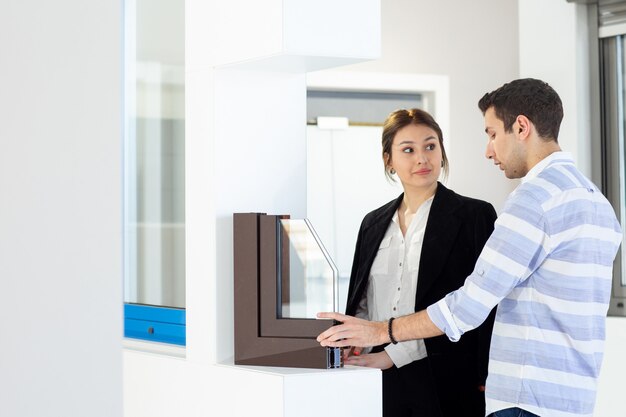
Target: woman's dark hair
532,98
402,118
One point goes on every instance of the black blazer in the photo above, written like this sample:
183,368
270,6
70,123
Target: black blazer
456,231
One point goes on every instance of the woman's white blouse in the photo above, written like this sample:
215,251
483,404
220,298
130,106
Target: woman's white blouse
393,281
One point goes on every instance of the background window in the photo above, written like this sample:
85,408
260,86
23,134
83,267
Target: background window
336,202
154,176
613,125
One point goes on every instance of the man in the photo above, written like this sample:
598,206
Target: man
547,266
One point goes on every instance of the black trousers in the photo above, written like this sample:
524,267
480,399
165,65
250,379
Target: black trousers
409,391
414,391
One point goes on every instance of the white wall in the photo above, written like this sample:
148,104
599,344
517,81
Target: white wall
475,44
261,153
554,48
60,209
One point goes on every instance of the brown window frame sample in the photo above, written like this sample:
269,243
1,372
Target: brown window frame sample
261,336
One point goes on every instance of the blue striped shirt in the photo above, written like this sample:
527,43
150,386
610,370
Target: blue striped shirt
548,267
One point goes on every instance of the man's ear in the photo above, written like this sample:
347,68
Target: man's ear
522,127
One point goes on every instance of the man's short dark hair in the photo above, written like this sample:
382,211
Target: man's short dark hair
532,98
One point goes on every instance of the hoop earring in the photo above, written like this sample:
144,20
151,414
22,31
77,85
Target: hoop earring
442,163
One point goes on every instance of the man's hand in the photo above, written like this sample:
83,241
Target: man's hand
380,360
352,332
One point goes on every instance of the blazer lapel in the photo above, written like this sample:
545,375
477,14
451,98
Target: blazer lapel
375,233
442,228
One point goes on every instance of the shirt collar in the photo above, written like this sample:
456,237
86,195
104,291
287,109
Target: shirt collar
395,217
562,157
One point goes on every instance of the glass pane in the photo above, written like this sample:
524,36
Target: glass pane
308,277
361,108
154,177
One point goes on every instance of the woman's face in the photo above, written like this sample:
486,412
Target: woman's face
416,156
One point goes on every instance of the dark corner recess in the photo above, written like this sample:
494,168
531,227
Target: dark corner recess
261,336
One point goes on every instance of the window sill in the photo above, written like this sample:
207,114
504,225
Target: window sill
158,348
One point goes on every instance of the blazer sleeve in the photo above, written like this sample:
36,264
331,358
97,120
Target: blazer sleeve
484,225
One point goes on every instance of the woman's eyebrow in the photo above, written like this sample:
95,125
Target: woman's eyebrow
412,142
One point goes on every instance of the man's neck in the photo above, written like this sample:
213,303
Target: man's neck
541,151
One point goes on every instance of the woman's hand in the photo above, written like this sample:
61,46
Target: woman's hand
379,360
351,351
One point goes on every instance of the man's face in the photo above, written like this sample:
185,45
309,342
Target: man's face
504,148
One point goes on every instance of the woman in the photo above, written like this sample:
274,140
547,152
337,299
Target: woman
409,254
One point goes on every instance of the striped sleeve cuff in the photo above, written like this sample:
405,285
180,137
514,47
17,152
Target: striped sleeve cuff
440,315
